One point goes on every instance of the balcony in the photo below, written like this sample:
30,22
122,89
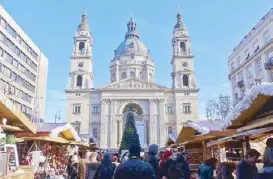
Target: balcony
269,64
241,84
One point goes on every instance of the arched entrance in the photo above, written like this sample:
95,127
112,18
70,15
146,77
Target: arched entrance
138,115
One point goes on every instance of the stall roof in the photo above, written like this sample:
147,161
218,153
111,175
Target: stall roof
251,103
252,133
47,127
202,130
14,116
48,139
67,131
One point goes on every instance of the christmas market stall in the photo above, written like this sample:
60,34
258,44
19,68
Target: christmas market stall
12,120
53,142
193,138
252,118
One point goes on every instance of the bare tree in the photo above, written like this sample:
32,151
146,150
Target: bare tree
218,108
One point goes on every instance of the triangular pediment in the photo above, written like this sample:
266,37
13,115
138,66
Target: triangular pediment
133,83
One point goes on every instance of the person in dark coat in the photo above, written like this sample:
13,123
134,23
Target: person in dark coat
225,171
134,168
152,159
106,169
164,165
247,167
181,162
74,167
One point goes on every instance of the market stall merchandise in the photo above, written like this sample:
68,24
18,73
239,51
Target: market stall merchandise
12,120
193,138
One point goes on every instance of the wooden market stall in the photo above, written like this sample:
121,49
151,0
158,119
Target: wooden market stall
52,140
193,138
252,118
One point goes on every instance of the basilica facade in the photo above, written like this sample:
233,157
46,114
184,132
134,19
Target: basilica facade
159,111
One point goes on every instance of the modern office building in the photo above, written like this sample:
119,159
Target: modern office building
251,61
23,69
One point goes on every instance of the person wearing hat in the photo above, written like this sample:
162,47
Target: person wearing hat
134,168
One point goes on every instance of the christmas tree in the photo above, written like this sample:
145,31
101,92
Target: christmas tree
130,135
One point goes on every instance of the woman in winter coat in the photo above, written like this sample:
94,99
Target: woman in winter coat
152,159
206,169
106,169
225,171
164,165
92,166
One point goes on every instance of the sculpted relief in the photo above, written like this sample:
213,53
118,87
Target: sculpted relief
133,84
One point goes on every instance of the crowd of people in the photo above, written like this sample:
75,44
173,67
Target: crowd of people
167,165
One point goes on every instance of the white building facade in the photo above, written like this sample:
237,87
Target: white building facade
159,111
23,69
251,62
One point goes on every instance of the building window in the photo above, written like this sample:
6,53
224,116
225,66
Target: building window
95,132
96,110
259,66
185,80
249,72
236,97
76,109
266,37
132,74
123,75
247,55
141,75
182,47
187,108
150,77
2,37
79,81
81,47
232,67
239,60
170,110
170,130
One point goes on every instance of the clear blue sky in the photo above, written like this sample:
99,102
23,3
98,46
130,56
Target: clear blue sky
215,27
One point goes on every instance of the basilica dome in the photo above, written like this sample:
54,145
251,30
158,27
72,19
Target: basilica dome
131,44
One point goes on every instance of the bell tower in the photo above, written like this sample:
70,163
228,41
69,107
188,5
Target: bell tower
182,59
81,71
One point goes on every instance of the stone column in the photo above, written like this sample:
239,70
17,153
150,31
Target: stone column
112,124
151,122
120,130
103,130
161,123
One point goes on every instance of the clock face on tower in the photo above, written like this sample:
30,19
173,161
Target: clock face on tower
80,64
184,64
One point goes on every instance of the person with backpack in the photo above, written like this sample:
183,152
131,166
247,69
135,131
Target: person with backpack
206,169
171,167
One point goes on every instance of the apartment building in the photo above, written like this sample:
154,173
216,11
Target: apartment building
23,69
251,61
